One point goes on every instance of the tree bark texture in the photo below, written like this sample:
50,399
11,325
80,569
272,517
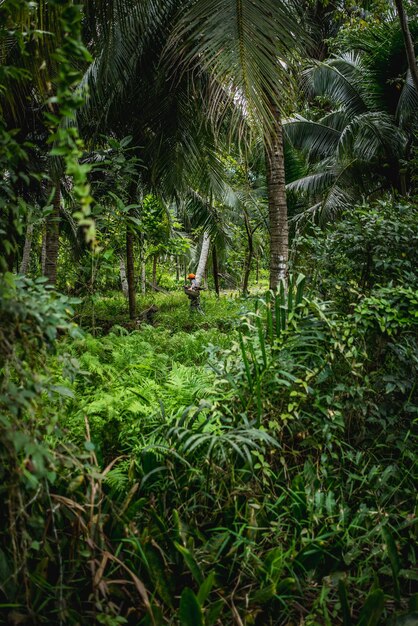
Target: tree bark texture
204,253
123,279
276,190
52,232
215,267
24,264
409,45
130,271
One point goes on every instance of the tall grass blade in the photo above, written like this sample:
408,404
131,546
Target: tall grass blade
345,607
372,609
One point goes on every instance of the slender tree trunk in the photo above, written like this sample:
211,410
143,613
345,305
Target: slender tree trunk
409,45
154,271
249,257
123,279
52,238
143,277
215,268
130,271
279,229
257,269
43,250
177,269
204,253
143,265
26,250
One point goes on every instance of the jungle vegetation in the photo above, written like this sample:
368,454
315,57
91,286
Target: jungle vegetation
252,461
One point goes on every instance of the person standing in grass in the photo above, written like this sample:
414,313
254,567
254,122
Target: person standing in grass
192,291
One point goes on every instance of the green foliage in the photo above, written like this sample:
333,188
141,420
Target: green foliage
286,473
253,465
173,313
370,246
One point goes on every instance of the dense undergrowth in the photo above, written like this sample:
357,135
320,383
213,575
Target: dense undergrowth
253,468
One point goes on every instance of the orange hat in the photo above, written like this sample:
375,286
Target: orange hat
191,276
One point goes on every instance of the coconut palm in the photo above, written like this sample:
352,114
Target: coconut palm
358,147
180,71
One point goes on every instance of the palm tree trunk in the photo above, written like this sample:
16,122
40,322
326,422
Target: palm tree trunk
123,279
52,238
409,45
215,268
130,271
26,250
276,189
203,259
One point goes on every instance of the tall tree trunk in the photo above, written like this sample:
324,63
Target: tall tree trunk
215,267
249,257
123,279
130,271
143,276
276,189
52,238
257,269
26,250
177,268
154,271
204,253
143,264
43,250
409,45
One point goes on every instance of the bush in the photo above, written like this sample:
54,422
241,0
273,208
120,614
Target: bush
371,245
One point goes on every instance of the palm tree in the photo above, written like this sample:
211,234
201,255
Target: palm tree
178,71
243,46
357,148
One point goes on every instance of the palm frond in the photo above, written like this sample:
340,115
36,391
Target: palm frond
240,44
369,136
314,138
407,109
339,79
313,184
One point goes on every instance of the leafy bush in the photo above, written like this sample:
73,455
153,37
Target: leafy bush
370,246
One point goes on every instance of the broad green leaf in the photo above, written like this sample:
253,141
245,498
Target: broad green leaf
190,613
